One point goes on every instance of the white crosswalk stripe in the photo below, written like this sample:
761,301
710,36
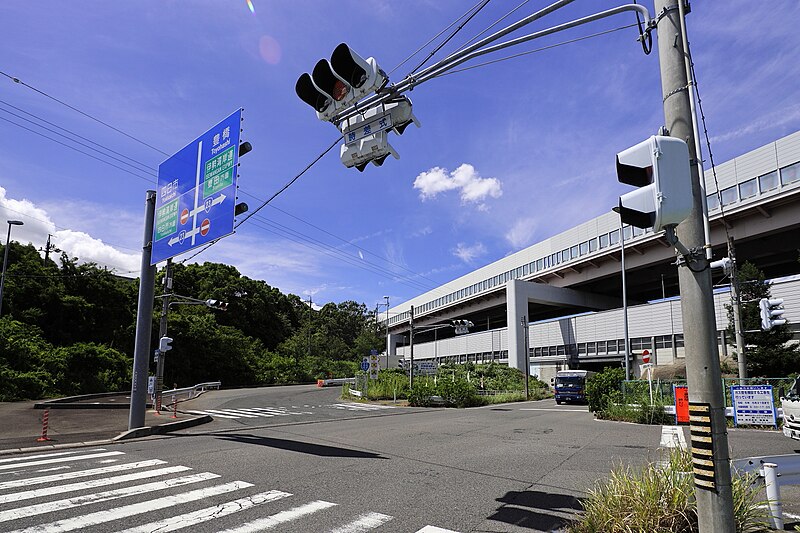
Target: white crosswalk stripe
58,514
281,517
364,522
209,513
248,412
361,406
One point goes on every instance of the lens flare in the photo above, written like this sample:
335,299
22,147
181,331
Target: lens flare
251,6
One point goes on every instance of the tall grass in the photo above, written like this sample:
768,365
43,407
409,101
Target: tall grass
660,498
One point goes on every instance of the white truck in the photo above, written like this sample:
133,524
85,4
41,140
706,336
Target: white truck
791,411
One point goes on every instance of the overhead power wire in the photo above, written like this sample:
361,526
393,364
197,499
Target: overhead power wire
490,26
259,208
453,34
542,49
87,115
144,166
79,151
418,50
85,145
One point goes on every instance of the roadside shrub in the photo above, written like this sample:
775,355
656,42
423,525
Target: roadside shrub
421,392
601,386
659,498
458,393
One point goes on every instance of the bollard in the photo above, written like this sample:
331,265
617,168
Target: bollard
174,407
773,494
45,422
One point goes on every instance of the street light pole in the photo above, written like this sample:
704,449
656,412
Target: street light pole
5,259
387,331
624,301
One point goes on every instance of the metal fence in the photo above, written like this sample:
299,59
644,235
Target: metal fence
663,392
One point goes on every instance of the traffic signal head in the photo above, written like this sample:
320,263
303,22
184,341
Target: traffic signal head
336,84
217,304
771,313
164,344
659,167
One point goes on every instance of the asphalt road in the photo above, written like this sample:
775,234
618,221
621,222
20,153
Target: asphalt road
320,466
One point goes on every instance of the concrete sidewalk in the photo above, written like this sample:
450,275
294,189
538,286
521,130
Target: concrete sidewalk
83,421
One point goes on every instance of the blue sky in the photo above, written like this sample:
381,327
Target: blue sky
508,154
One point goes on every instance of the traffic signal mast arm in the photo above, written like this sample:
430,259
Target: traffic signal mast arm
186,300
476,50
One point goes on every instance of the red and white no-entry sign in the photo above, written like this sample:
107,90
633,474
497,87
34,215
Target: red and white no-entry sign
204,227
645,356
184,216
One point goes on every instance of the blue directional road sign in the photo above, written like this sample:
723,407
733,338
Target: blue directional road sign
365,364
196,195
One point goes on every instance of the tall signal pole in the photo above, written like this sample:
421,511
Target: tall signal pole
710,459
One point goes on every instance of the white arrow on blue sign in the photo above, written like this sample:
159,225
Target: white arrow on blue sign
196,193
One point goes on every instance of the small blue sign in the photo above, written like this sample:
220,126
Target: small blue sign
196,193
365,364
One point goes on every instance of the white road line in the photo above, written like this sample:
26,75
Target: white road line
56,454
79,473
87,499
230,412
250,412
273,410
83,485
553,409
60,460
434,529
108,515
209,513
281,518
364,522
208,413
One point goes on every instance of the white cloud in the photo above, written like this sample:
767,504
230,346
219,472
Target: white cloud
465,179
38,224
469,253
522,233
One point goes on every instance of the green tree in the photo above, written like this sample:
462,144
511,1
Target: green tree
769,353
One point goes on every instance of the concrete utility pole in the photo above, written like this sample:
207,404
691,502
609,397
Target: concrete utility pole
144,320
736,302
710,459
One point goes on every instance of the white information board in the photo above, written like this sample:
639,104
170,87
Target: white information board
753,405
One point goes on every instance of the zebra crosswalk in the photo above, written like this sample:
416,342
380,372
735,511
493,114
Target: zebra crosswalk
269,412
101,490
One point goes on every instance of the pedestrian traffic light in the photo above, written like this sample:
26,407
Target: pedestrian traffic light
164,344
245,148
659,166
771,313
339,82
217,304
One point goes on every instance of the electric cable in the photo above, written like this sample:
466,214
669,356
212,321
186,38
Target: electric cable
87,115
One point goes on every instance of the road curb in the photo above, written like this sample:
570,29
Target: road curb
161,429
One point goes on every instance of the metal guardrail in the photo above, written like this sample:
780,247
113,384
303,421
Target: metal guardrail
775,471
334,381
498,392
187,393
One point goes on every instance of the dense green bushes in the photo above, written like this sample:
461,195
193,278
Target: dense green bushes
607,401
32,368
456,386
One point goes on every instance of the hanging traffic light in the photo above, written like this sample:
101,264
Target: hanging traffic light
339,82
217,304
771,313
462,326
659,166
